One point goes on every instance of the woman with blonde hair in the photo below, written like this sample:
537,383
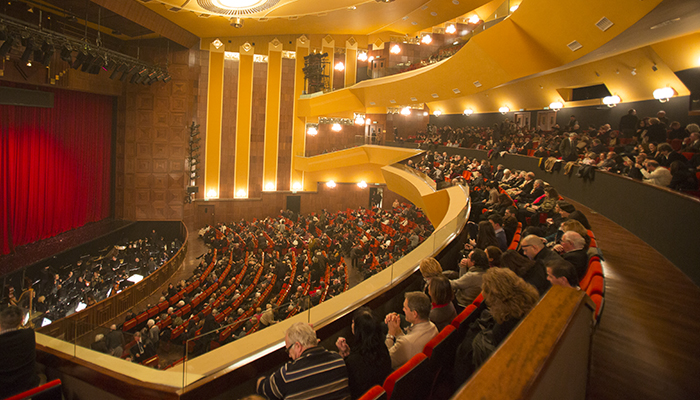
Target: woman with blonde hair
508,299
429,268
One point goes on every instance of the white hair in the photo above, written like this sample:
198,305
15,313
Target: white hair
303,333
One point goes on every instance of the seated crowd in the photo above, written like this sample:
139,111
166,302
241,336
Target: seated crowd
257,273
61,291
554,250
652,149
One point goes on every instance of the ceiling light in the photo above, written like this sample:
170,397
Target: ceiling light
664,94
468,112
556,106
362,185
395,49
426,39
236,22
237,4
611,101
450,29
504,110
406,111
437,113
513,8
362,56
270,186
336,128
330,184
474,19
339,66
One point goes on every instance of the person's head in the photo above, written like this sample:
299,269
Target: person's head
572,241
651,165
552,193
561,273
478,258
507,295
430,267
416,307
99,337
486,236
692,128
440,290
511,211
661,114
298,338
137,336
677,166
531,246
529,176
496,221
512,260
10,318
150,323
575,226
367,331
664,148
632,111
675,125
564,208
494,254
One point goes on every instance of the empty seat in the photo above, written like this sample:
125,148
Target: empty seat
409,381
597,286
594,269
376,392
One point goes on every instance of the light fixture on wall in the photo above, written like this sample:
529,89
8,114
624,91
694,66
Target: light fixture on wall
426,39
504,110
296,187
468,112
362,56
212,194
664,94
556,106
368,121
241,193
359,119
513,8
370,59
312,129
406,111
336,128
450,29
395,49
474,19
362,185
340,66
270,187
330,184
611,101
437,113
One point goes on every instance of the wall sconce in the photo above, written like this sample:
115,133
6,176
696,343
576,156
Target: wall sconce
437,113
425,113
406,111
362,185
611,101
330,184
270,187
556,106
664,94
468,112
296,187
474,19
504,110
241,193
336,128
362,56
212,194
395,49
426,39
312,129
450,29
339,66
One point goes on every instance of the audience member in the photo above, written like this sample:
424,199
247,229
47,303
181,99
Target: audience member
402,346
442,311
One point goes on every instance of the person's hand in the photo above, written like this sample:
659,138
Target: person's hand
463,263
558,248
394,325
388,318
550,221
472,243
343,347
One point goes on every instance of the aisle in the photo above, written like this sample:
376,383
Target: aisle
647,345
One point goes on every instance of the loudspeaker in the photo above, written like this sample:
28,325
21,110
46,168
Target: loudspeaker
193,189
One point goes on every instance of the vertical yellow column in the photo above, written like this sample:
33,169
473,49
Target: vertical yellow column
272,115
328,46
299,130
215,101
244,112
350,62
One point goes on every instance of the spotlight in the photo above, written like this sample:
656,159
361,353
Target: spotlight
237,22
28,50
127,71
79,59
167,78
48,52
66,53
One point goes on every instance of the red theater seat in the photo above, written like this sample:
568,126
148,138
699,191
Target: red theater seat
594,269
376,392
409,381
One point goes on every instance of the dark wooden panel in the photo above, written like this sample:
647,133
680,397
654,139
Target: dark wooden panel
257,129
284,159
228,129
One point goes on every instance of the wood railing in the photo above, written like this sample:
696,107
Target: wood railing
76,325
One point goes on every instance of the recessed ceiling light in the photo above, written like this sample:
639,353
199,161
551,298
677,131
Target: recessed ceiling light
405,18
434,14
435,95
424,8
413,99
414,23
455,2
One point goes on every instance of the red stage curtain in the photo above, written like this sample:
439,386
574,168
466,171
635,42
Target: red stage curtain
55,166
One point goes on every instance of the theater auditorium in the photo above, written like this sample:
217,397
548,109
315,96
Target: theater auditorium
181,182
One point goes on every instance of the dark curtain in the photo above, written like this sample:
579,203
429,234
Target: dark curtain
55,166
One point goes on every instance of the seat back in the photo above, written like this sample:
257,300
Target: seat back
376,392
441,352
597,286
594,269
409,381
48,391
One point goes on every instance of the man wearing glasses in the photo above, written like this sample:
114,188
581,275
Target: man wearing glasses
313,373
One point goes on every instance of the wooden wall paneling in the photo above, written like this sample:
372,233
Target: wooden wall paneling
286,124
228,129
257,129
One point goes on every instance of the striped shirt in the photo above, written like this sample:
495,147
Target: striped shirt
316,374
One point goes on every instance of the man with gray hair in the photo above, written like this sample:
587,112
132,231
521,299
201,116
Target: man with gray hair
313,373
402,346
574,252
